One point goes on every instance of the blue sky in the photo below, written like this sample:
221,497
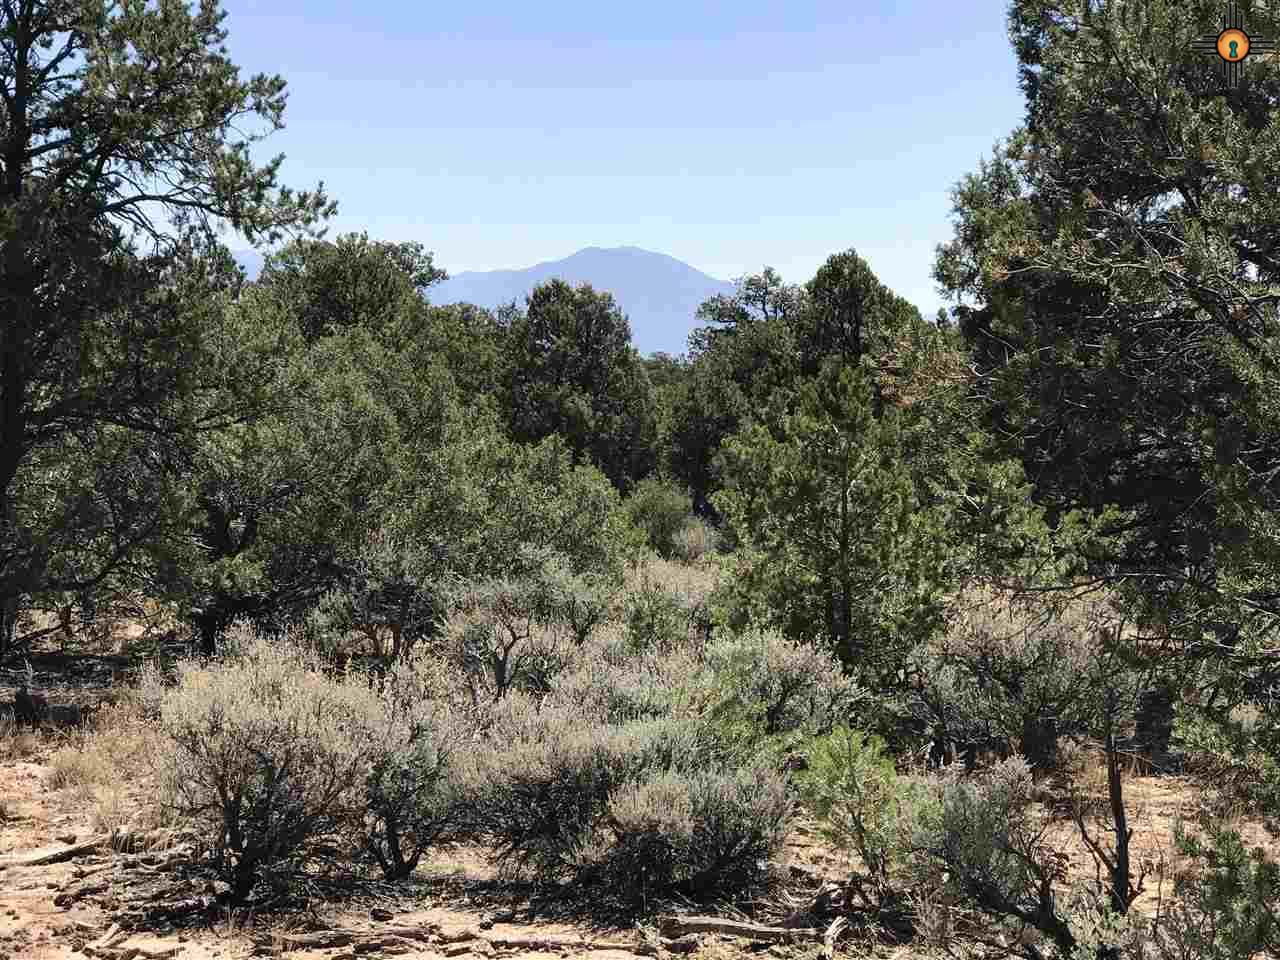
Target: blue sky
728,135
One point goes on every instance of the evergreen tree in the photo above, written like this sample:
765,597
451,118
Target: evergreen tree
122,147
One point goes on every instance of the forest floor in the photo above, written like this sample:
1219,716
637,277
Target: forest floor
141,901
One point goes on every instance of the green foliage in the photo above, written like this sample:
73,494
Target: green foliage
661,511
655,619
848,313
851,785
699,834
739,360
643,806
349,282
616,685
695,540
413,803
1230,904
571,370
516,505
1235,751
1149,389
509,635
288,502
768,694
837,542
110,355
414,797
992,849
1017,674
389,594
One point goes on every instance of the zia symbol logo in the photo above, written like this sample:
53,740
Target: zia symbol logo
1232,45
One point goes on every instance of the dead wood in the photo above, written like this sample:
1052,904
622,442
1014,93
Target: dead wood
139,953
674,927
328,939
819,907
68,898
395,937
40,858
119,841
566,943
830,937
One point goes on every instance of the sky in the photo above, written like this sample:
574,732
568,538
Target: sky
728,135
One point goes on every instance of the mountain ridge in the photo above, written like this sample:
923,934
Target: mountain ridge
659,293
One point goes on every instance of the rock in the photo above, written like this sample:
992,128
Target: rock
66,838
382,916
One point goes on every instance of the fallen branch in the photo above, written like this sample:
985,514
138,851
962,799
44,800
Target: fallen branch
819,907
830,937
122,841
40,858
675,927
366,940
566,943
69,897
328,939
140,953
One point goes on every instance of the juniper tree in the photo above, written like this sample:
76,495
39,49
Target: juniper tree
122,148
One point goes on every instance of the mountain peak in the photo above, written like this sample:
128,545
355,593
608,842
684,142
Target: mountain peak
659,294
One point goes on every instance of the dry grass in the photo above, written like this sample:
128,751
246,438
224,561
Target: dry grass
17,742
689,579
103,770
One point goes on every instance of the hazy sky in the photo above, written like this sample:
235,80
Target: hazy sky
729,135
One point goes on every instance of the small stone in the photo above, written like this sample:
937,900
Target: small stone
67,838
382,916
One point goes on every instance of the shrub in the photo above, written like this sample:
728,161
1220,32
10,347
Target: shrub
1229,904
1016,677
863,805
386,595
992,851
413,797
769,693
412,802
544,787
695,833
548,790
661,511
267,756
616,686
583,602
655,619
695,540
508,635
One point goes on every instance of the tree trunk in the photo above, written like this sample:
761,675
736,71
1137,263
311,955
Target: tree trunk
1040,741
1154,720
9,607
210,623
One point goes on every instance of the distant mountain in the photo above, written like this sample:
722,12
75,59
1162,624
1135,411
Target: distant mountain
659,294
